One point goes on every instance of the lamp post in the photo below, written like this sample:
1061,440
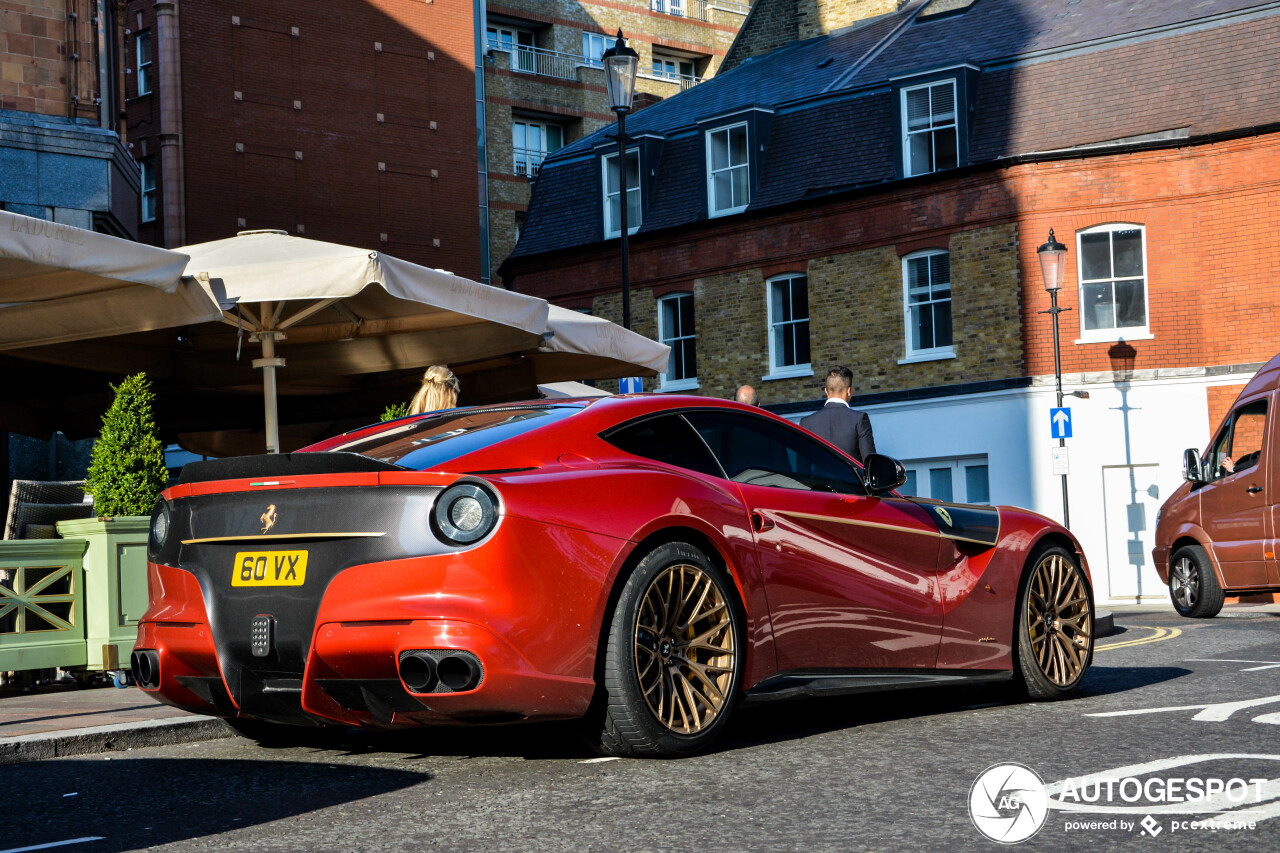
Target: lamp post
620,79
1053,257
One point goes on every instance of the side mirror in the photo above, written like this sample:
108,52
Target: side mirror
1191,471
882,473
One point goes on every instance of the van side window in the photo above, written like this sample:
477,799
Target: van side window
1240,445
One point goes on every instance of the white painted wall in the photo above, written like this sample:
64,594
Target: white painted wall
1125,460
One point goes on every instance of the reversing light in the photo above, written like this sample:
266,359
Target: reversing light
159,527
465,513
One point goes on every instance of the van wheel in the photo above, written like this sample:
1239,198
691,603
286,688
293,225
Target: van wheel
1193,586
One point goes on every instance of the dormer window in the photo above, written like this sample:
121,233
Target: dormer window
613,192
728,170
930,130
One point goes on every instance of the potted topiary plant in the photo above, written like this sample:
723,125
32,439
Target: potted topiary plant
126,475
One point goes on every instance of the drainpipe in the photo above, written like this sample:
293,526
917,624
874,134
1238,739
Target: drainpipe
482,156
172,188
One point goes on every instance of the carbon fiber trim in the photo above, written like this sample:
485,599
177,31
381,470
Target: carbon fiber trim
401,513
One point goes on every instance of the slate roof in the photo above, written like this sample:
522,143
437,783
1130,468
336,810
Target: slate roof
1053,74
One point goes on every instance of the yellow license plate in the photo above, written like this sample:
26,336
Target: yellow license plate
269,568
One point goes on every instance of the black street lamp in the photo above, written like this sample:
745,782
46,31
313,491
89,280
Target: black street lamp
1053,260
620,79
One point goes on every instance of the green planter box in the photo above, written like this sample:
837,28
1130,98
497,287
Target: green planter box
115,585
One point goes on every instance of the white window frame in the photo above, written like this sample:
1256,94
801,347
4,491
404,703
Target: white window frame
525,154
612,229
777,371
606,42
907,133
1116,333
959,480
925,353
147,199
142,70
727,129
667,337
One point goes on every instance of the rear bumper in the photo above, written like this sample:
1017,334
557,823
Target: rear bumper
351,675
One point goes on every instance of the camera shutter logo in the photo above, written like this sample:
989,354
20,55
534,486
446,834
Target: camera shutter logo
1008,803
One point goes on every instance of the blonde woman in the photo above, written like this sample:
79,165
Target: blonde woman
439,391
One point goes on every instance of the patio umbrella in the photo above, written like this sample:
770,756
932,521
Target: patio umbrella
581,346
274,287
59,283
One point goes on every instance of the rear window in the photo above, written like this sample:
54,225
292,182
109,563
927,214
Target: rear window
433,441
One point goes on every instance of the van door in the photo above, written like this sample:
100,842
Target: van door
1235,509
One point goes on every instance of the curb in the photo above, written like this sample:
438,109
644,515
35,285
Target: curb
114,738
1104,624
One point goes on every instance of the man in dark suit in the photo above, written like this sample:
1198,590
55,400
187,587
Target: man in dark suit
845,427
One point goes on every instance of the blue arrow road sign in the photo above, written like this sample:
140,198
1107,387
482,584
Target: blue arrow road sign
630,385
1061,422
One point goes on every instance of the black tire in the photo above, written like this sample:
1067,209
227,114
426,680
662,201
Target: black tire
281,734
1053,630
623,720
1193,585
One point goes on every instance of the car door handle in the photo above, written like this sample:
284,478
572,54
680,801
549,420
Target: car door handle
1253,490
760,522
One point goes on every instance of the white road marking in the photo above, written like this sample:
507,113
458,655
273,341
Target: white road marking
54,844
588,761
1270,664
1214,713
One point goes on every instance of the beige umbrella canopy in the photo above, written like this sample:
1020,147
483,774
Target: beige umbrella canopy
321,297
340,332
59,283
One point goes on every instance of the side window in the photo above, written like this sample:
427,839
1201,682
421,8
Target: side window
1239,446
763,452
666,439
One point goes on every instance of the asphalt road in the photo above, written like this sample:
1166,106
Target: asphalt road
882,772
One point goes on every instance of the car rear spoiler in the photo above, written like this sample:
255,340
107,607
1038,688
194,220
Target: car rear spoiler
282,465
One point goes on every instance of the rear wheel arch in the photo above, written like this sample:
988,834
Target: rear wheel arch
643,548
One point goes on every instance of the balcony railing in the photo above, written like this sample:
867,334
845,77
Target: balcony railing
686,81
546,63
699,10
528,160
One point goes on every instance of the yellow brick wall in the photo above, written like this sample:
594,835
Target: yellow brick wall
855,319
568,19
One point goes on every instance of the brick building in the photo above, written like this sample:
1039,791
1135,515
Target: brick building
544,84
875,196
63,154
352,122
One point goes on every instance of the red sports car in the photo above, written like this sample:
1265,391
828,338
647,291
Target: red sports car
640,562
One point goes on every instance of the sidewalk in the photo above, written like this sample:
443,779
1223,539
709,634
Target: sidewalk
55,721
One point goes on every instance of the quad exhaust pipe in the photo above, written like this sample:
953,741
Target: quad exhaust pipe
422,672
145,664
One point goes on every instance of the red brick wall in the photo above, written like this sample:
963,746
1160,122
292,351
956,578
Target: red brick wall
36,43
424,197
1220,399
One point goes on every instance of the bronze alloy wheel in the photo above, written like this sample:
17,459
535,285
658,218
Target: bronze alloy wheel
684,648
1059,619
1184,582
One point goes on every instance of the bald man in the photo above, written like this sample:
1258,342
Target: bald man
747,395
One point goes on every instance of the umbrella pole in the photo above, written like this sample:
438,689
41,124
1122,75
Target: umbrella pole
268,363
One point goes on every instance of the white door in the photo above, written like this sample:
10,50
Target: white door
1130,498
